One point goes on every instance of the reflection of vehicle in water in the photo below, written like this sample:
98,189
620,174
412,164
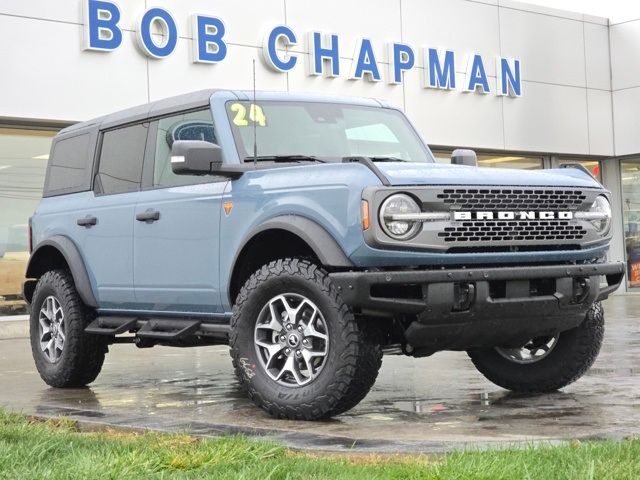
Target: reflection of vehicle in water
13,262
311,234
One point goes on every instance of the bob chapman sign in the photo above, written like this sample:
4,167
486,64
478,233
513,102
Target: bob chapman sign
103,32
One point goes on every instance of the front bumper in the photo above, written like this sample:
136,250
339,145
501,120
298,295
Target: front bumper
477,307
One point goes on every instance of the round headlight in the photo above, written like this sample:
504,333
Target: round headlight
399,204
601,206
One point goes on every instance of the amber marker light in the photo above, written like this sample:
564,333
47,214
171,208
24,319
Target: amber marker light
228,206
365,214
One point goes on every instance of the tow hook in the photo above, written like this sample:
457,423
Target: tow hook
464,294
581,288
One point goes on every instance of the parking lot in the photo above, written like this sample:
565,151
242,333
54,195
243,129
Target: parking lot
430,404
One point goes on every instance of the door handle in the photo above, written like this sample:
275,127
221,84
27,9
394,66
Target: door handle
148,216
87,221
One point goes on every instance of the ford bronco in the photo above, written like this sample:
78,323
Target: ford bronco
311,234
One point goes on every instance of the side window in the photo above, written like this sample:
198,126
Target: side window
68,165
121,159
187,126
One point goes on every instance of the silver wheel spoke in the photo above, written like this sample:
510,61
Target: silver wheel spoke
274,325
44,327
291,312
310,331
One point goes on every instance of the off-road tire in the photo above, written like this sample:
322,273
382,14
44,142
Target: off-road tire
572,356
353,359
82,355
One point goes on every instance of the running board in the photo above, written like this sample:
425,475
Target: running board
111,325
158,329
168,329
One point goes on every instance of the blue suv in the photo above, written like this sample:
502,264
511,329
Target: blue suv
312,234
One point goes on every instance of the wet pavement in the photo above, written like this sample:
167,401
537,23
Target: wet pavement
429,405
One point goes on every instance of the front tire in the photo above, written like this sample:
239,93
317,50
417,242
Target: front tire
547,364
297,349
65,356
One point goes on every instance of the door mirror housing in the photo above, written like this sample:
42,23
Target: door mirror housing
463,156
196,157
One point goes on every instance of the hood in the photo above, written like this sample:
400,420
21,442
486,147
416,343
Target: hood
411,173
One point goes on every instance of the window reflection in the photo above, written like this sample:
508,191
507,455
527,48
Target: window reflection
630,172
592,165
489,160
23,160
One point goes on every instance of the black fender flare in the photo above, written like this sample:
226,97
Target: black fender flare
323,245
73,258
321,242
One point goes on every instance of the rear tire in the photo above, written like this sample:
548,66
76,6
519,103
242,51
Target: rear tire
571,356
326,385
65,356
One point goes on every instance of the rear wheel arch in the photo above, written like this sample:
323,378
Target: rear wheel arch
281,237
56,253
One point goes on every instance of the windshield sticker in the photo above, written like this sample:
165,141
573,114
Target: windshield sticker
256,115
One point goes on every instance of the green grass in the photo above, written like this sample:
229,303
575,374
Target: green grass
56,450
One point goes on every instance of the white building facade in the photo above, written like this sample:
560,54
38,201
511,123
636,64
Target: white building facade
525,86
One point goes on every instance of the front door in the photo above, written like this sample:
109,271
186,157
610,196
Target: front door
176,237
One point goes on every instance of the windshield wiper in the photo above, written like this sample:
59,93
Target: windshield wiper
284,158
387,159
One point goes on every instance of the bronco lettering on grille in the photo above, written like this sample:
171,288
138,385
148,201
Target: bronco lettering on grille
509,215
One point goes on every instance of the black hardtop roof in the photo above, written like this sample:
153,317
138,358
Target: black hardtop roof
185,101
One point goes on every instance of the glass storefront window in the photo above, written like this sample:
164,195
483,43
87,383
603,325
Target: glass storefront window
490,160
23,160
592,165
630,173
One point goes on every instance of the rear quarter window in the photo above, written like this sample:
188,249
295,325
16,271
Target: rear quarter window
70,165
121,159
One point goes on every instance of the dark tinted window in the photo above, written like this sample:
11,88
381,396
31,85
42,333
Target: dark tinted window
121,159
186,126
69,163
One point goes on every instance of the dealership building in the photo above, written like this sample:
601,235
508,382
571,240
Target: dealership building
527,87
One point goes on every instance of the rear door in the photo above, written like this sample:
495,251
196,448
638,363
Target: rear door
176,238
104,223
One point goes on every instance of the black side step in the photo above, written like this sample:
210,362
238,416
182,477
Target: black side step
168,329
111,325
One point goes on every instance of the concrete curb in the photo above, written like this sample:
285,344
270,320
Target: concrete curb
14,329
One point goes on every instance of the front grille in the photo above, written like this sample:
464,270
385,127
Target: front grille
512,199
512,231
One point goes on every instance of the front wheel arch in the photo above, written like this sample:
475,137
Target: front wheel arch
284,236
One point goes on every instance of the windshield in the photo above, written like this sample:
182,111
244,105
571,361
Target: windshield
327,131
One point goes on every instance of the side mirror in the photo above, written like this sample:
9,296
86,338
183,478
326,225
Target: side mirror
462,156
195,157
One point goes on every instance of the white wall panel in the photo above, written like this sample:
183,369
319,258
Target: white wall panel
459,25
626,120
453,118
548,118
600,122
56,80
596,41
44,9
625,55
532,8
551,48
